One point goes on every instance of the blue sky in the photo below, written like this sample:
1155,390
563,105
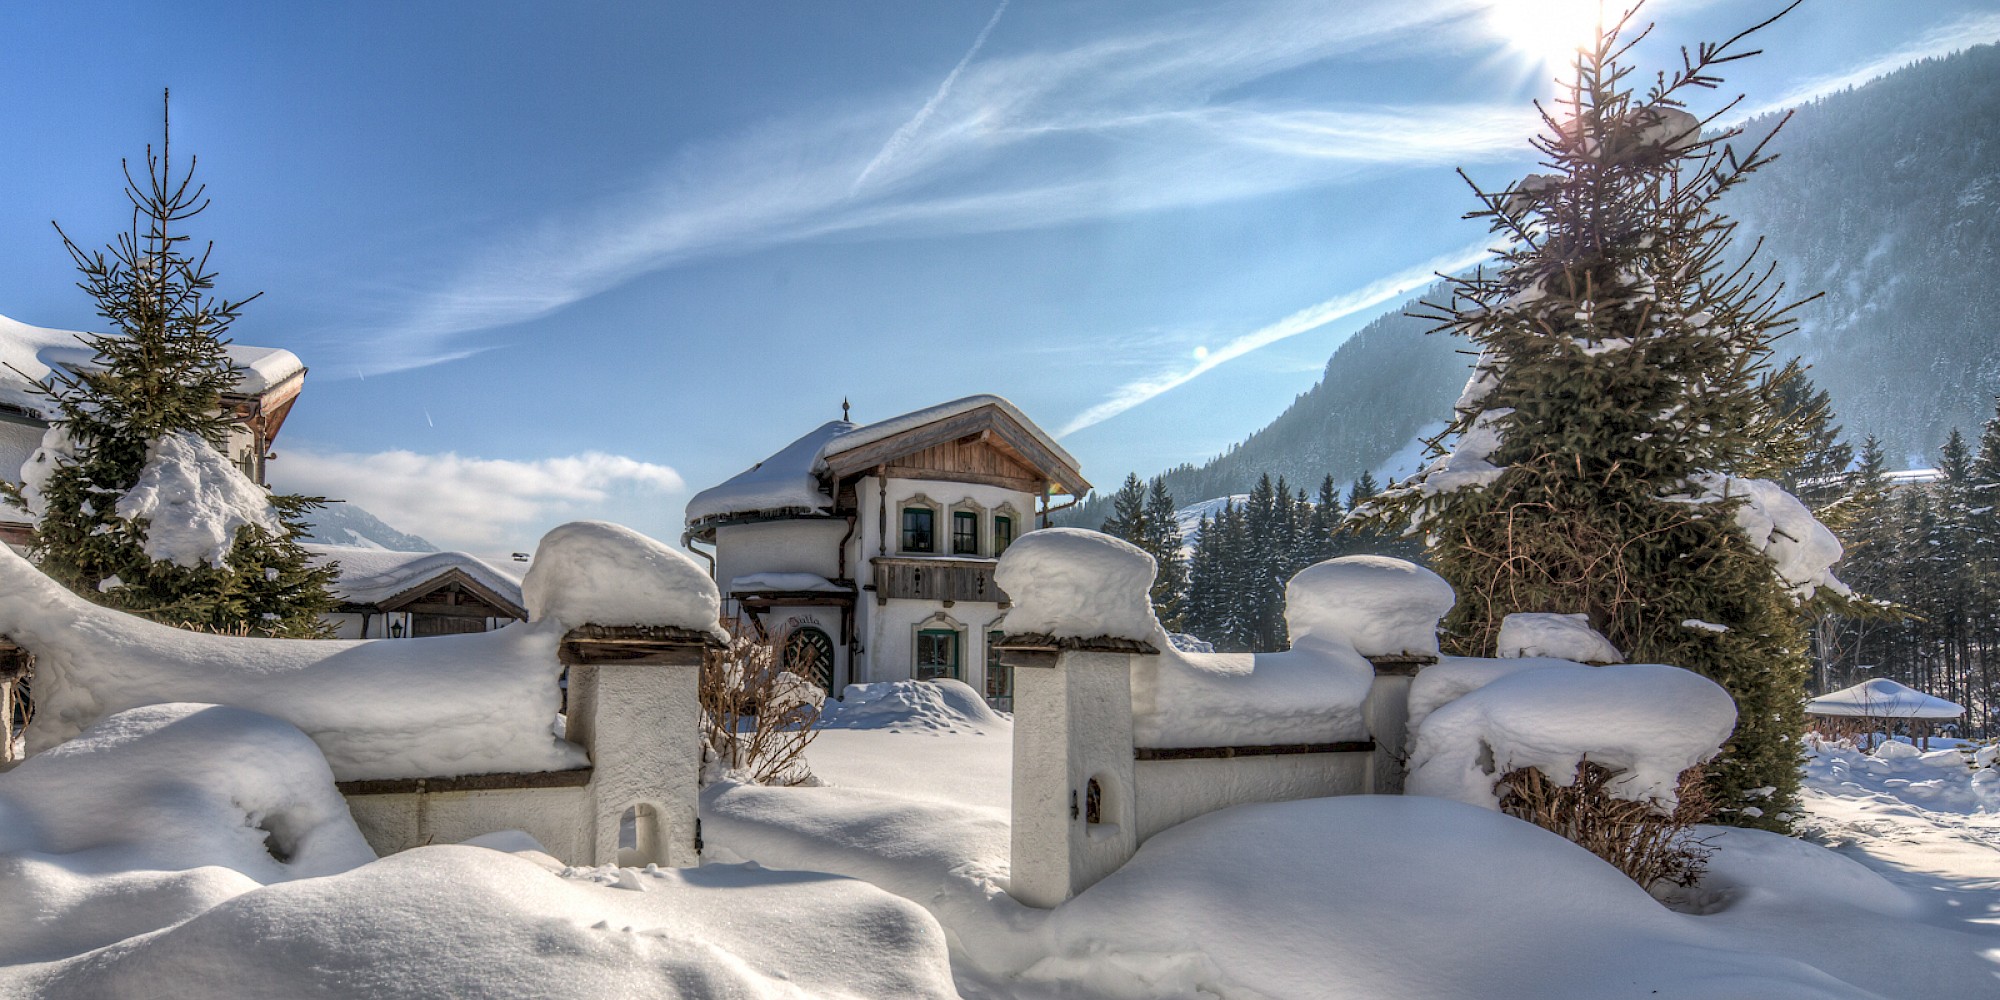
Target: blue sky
560,260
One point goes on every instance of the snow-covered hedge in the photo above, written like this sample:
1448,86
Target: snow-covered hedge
1647,721
468,704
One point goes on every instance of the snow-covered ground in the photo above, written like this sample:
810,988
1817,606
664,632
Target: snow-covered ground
1390,896
203,851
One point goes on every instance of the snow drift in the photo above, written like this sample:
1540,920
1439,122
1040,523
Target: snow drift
1564,637
150,855
594,572
1078,583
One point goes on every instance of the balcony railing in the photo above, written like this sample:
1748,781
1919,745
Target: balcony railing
933,579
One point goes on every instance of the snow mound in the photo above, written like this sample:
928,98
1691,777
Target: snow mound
1454,676
1941,781
597,573
1382,606
1189,644
1364,897
465,704
1078,583
471,922
155,814
1564,637
1311,693
194,502
1759,867
194,850
1647,721
939,706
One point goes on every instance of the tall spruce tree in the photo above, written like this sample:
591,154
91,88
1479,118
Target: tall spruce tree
1623,374
158,373
1128,511
1163,541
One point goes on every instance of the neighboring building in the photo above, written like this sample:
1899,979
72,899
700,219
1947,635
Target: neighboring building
271,381
917,509
394,595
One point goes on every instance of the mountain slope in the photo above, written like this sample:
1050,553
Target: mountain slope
1886,197
341,523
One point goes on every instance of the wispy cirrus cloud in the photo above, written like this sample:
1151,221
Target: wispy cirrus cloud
1962,33
1134,120
1370,296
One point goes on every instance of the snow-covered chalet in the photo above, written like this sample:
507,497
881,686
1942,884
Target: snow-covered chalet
867,550
270,382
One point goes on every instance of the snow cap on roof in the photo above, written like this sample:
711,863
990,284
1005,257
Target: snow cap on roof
371,576
1882,698
789,481
36,352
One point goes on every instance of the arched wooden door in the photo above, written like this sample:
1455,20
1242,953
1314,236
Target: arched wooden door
809,653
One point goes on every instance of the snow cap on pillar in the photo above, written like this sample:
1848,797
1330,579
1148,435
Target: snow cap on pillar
1383,606
597,573
1078,583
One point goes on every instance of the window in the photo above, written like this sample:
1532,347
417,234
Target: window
1003,533
937,654
999,676
919,523
964,533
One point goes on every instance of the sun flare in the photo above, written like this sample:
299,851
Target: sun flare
1547,31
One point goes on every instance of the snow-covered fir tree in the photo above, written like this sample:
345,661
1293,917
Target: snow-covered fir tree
1163,540
140,429
1610,439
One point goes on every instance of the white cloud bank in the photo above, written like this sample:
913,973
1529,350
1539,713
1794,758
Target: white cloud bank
486,506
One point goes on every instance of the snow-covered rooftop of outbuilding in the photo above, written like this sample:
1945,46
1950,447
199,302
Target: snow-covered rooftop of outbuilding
371,576
788,482
1882,698
36,351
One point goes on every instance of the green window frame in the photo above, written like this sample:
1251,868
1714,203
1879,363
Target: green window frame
964,533
919,529
937,654
1003,533
999,676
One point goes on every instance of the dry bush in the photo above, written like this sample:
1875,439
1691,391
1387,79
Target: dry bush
757,717
1649,848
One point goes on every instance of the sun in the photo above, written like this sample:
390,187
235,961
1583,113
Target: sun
1549,32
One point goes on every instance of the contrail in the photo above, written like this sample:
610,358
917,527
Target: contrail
1311,318
908,131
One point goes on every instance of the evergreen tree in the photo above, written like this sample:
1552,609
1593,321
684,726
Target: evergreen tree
1624,349
1163,541
159,374
1128,511
1317,544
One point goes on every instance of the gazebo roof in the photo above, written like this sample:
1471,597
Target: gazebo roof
1882,698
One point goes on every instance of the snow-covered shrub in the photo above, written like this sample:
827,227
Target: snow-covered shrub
758,716
1651,848
1601,755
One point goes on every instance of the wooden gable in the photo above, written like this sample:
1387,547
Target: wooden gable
453,593
984,445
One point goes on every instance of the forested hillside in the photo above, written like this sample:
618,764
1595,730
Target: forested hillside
1885,197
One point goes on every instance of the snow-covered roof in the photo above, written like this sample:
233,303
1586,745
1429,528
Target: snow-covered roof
373,576
35,351
789,482
1882,698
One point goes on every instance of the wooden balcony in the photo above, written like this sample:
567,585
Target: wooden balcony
934,579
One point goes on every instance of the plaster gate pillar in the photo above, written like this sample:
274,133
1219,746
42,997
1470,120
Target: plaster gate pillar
634,704
1075,818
